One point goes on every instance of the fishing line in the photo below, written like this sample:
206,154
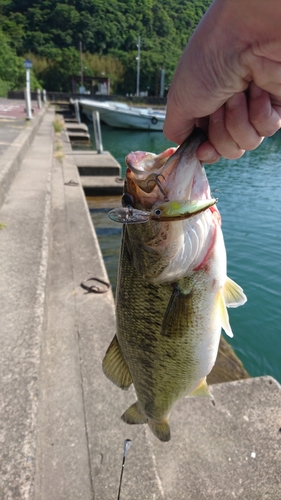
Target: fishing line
127,444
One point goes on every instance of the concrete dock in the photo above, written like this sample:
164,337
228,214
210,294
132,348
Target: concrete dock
100,173
60,428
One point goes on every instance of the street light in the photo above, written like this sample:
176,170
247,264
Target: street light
138,67
162,82
28,65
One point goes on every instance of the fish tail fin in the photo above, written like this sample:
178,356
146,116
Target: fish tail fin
160,429
133,415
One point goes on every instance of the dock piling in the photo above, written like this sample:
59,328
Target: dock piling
77,111
97,131
39,102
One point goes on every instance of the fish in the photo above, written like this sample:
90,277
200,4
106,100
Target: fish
172,288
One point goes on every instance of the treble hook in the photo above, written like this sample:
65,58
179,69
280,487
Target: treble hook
158,184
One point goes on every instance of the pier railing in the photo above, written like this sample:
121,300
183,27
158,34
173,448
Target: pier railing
66,96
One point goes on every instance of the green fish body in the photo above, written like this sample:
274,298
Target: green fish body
172,289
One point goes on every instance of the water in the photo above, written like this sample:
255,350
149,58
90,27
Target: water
248,190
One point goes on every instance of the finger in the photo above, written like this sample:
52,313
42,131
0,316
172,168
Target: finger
177,126
207,153
264,117
238,125
265,71
220,138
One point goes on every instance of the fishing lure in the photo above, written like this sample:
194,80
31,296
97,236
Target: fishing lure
166,212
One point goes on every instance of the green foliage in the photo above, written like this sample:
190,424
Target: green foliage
112,67
50,32
12,71
11,66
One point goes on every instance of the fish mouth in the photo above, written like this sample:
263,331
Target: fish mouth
152,179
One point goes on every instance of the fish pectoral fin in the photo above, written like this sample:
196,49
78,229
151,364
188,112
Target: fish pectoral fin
114,366
133,415
223,314
202,390
161,430
175,318
233,294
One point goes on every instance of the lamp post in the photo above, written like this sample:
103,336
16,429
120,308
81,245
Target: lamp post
81,88
138,67
28,65
162,82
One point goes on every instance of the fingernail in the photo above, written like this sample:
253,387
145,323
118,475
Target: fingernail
208,157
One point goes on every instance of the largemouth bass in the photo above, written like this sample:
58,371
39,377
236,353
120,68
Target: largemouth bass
172,289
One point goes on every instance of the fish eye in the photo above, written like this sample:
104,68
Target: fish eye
158,212
127,199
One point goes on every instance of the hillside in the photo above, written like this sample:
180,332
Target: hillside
49,33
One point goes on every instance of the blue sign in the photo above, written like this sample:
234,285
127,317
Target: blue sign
27,64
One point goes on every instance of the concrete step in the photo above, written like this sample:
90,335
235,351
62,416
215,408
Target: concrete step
91,158
76,127
102,185
90,164
78,136
105,171
66,113
70,119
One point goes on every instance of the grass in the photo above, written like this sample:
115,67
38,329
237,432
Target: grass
58,124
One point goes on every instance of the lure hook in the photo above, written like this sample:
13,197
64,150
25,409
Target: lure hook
158,184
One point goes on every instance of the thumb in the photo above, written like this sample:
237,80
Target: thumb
177,126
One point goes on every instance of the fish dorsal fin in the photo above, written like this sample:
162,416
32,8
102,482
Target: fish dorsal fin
115,367
223,314
233,294
175,318
202,390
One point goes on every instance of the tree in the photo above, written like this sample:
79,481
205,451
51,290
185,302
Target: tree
51,30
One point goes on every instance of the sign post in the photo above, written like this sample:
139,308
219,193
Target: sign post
28,65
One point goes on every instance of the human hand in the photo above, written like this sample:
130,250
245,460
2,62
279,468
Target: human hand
228,80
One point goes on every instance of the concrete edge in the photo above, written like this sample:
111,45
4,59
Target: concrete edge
40,308
258,379
13,157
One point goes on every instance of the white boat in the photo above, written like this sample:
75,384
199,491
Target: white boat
117,114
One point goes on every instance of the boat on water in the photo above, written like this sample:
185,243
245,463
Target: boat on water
120,115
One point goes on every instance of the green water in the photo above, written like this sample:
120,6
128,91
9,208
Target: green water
248,190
